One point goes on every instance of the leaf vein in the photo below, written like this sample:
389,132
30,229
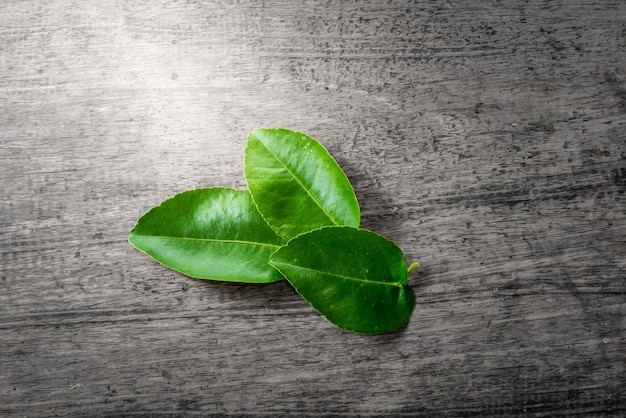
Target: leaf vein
221,241
356,279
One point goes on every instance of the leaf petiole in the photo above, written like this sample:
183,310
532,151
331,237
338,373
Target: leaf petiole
412,266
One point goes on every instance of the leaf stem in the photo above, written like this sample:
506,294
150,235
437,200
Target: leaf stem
412,266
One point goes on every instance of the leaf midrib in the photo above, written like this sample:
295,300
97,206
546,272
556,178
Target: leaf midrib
221,241
331,217
356,279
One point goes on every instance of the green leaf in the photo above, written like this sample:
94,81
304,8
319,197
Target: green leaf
295,183
355,278
209,233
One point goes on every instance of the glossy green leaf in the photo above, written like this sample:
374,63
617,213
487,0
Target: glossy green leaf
210,233
355,278
295,183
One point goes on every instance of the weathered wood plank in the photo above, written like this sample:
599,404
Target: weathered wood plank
486,138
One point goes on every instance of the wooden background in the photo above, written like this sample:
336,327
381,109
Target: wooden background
486,138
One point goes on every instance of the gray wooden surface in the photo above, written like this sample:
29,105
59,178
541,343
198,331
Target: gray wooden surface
486,138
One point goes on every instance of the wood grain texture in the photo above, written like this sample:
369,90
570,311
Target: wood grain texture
487,139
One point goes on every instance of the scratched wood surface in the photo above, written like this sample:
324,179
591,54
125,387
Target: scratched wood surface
487,138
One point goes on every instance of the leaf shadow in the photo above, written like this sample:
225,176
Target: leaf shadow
376,202
391,337
281,298
254,295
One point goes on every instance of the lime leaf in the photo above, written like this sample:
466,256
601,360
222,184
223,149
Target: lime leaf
209,233
295,183
355,278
